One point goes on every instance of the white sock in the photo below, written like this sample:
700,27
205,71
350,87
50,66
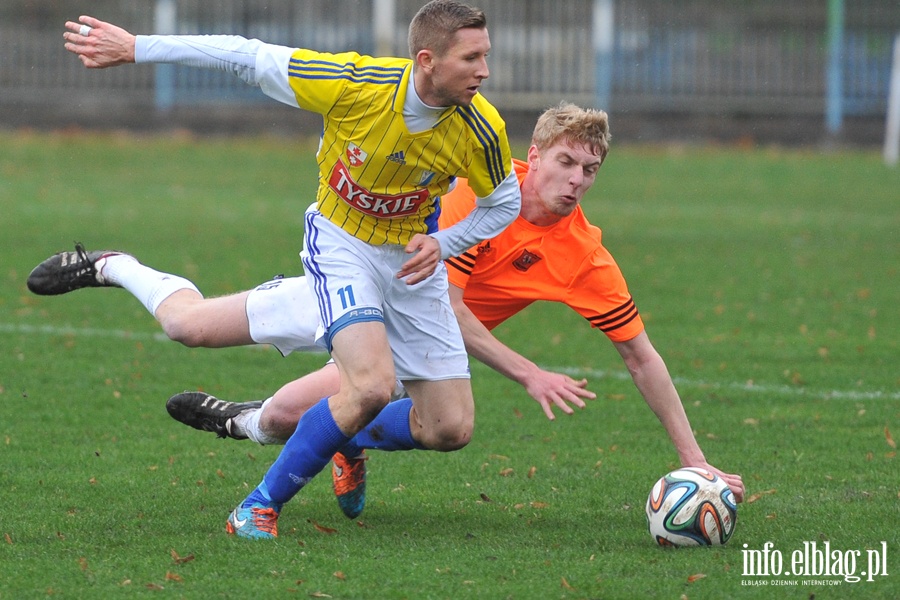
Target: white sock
248,423
149,286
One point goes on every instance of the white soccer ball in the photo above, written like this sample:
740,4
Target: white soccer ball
691,507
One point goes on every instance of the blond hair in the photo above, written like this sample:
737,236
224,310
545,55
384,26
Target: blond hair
573,124
435,24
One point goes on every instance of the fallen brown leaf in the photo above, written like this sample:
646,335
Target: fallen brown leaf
507,472
531,472
173,577
753,498
180,560
340,575
485,497
322,528
695,577
565,584
889,439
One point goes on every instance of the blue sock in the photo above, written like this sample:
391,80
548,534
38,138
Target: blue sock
260,495
308,450
388,431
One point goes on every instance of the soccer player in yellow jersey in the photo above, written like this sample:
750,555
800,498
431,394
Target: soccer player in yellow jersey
396,134
550,253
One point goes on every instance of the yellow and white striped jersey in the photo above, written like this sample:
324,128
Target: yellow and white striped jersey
377,181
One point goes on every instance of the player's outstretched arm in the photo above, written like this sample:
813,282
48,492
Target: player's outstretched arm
99,44
652,379
548,388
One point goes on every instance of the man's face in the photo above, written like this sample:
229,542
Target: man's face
457,75
562,174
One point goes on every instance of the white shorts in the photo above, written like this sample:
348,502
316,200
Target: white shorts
267,307
355,282
283,313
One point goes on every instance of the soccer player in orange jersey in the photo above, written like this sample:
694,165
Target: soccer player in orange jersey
549,253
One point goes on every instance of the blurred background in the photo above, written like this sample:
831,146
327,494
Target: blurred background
794,72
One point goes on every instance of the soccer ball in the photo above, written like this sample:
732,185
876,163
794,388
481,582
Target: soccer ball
691,507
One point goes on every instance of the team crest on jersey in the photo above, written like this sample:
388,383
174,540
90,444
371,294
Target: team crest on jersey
526,261
356,156
485,248
425,178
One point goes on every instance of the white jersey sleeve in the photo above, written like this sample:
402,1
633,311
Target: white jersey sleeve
253,61
490,216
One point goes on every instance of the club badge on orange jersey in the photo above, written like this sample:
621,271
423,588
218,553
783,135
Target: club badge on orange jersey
356,156
526,261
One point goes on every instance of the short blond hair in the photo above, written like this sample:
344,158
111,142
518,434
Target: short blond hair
573,124
435,24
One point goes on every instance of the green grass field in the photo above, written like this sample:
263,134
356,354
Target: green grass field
768,280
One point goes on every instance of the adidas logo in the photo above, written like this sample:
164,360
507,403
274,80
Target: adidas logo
397,157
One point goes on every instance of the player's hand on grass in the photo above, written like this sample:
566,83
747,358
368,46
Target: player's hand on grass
734,481
427,255
99,44
555,389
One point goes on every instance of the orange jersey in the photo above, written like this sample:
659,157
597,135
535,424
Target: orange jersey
565,262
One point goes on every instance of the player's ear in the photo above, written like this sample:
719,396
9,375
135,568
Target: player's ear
534,158
425,59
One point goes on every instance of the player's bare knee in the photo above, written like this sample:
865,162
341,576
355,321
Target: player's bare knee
181,330
371,400
448,435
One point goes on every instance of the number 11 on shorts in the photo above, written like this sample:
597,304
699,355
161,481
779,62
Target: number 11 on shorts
346,294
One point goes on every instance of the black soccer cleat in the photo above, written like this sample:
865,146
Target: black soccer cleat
208,413
67,271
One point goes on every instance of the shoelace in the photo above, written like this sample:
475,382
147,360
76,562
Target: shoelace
80,266
350,475
265,519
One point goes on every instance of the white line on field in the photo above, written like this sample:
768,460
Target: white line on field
780,390
82,332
